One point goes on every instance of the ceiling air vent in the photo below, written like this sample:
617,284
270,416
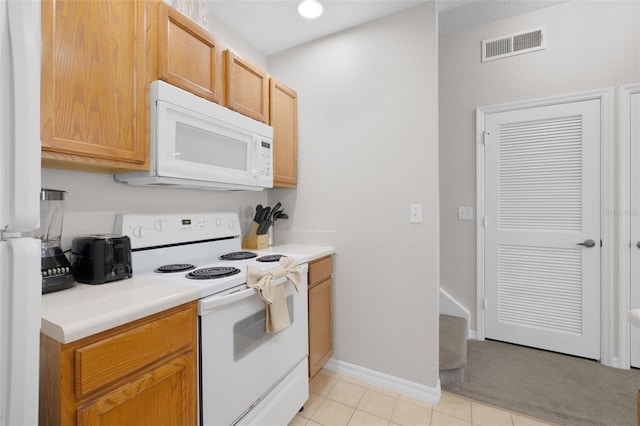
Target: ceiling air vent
513,44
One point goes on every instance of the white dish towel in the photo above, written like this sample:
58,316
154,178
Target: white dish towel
272,294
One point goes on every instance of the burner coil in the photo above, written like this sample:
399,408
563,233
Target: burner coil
213,273
175,267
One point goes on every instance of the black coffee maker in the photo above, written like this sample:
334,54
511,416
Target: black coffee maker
55,267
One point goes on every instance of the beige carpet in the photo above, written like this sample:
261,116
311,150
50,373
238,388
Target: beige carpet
547,385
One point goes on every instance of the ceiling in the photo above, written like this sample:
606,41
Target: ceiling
274,25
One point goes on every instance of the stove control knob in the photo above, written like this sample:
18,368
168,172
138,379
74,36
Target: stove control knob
230,224
158,226
137,232
219,222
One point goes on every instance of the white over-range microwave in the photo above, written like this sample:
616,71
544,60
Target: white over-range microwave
196,143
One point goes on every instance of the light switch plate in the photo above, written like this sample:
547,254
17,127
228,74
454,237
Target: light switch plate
465,213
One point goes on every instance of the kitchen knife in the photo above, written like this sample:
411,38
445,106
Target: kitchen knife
265,214
263,227
256,217
281,215
273,211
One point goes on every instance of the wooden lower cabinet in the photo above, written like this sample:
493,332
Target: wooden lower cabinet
142,373
320,314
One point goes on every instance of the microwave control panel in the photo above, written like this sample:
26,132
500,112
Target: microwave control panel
266,158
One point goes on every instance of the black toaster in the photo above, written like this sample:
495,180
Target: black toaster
101,258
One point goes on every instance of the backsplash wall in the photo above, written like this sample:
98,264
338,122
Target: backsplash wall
94,199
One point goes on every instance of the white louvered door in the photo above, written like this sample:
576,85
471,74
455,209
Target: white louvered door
542,198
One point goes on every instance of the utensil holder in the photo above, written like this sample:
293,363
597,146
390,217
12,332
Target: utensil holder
254,241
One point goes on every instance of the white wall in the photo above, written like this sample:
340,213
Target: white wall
590,45
368,148
93,200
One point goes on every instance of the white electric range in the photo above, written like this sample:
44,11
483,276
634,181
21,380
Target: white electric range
246,375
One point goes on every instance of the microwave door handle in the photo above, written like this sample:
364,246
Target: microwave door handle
255,172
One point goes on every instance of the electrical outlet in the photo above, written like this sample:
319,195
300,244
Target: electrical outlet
415,213
465,213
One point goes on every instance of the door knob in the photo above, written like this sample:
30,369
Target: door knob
638,244
590,243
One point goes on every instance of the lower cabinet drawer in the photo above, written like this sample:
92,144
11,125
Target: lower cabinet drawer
320,270
110,359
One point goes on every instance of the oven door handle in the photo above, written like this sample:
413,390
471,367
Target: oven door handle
216,301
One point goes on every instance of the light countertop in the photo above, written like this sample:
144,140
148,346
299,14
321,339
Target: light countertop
85,309
72,314
304,253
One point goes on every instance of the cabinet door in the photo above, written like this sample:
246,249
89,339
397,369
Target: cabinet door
162,396
93,83
320,326
188,56
247,88
283,104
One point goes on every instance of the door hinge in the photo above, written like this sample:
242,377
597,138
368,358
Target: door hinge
485,303
485,135
484,221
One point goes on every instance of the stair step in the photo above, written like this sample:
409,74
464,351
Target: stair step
453,349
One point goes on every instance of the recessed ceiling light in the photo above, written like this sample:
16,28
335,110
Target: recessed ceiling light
310,9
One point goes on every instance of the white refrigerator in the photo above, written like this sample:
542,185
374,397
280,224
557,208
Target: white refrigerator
20,280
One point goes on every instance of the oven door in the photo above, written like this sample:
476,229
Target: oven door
239,362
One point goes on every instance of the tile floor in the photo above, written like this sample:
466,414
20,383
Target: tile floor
339,400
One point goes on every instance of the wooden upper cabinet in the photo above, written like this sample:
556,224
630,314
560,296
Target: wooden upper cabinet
247,88
283,112
188,56
93,85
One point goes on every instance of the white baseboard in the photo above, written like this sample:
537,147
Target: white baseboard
615,362
473,335
405,387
